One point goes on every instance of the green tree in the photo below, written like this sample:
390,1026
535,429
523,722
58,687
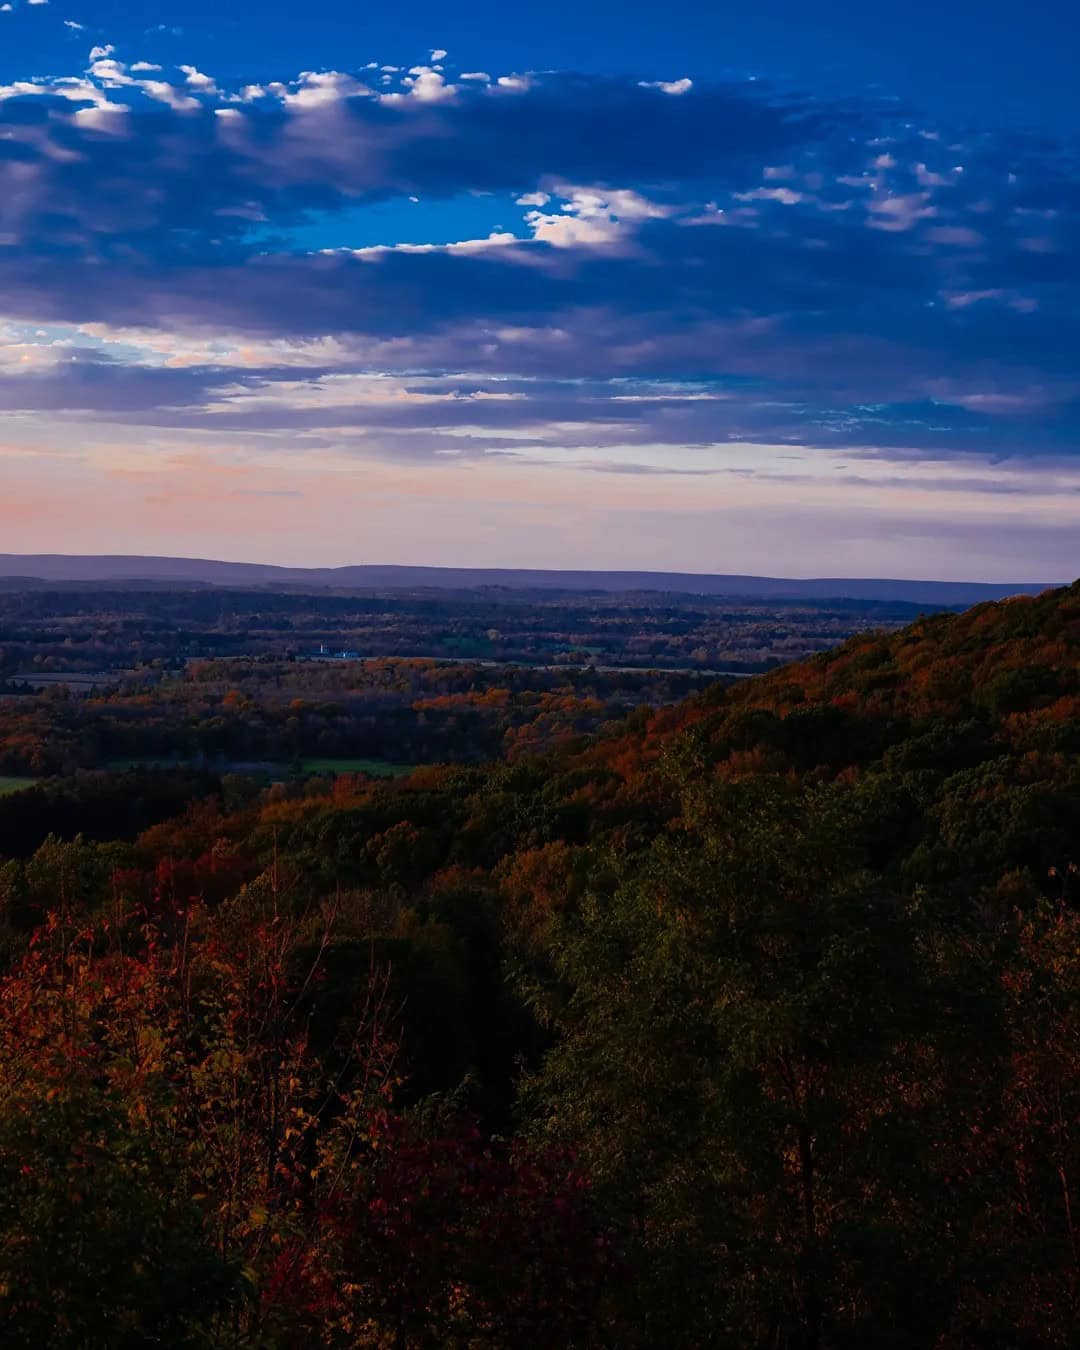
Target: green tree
100,1246
742,1029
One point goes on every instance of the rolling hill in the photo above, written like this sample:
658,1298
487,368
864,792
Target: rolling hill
136,571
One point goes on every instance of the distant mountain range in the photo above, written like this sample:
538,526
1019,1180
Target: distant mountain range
34,570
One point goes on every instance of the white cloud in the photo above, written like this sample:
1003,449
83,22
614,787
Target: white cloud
674,87
953,234
108,117
314,89
786,196
902,212
927,178
76,91
166,93
426,85
438,54
962,299
197,80
494,240
111,73
594,217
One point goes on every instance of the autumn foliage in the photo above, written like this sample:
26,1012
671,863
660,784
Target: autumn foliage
753,1021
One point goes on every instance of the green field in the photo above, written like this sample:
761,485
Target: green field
377,768
8,785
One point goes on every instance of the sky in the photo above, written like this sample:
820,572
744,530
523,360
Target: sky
777,288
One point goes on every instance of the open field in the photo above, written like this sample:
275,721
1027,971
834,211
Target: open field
377,768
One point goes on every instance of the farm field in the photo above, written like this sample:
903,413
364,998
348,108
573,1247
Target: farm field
377,768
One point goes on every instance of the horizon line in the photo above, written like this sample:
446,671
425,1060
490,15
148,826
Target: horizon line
130,558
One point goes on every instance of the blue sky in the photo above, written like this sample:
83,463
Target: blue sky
994,62
774,288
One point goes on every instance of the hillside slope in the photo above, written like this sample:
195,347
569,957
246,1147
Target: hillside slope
754,1022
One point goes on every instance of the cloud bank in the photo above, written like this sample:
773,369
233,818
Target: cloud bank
639,276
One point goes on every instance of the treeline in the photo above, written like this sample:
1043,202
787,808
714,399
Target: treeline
43,631
216,714
751,1023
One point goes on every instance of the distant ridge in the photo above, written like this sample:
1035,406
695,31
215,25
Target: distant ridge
28,569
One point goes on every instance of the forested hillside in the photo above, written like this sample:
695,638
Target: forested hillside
751,1022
